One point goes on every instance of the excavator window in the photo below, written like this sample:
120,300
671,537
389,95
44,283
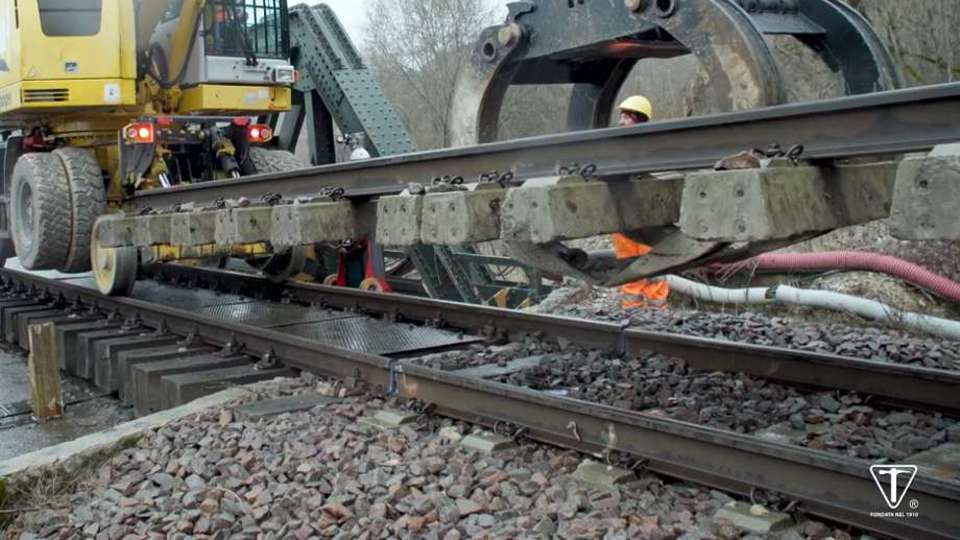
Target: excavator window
247,28
70,17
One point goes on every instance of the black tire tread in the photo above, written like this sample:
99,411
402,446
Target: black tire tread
88,202
52,217
266,160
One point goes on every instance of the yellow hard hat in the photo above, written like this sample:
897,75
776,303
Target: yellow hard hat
638,104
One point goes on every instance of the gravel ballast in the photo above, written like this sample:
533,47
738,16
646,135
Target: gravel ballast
323,474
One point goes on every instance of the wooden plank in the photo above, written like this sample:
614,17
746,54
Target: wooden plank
44,368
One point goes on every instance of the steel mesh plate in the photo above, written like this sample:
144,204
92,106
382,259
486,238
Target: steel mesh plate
270,315
372,336
192,299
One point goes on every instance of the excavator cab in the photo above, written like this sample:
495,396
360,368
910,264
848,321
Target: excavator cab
63,55
224,42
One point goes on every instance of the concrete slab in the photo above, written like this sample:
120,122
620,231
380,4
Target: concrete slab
942,461
117,230
755,204
186,387
250,225
107,351
462,217
389,419
126,361
23,323
16,412
86,348
753,518
147,393
399,220
73,453
67,341
491,371
309,223
603,475
15,302
14,380
78,420
152,230
254,412
926,203
9,313
192,229
11,332
572,208
486,442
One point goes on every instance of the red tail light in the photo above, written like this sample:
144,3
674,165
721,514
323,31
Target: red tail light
142,133
259,133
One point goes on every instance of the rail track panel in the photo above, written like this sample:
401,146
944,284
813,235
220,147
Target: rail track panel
536,194
156,355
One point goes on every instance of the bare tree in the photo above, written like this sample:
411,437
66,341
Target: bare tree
417,47
921,35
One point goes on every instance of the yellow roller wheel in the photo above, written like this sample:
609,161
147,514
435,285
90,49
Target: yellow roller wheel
331,279
371,284
115,269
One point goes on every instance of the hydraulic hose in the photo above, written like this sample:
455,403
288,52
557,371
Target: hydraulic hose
849,260
781,294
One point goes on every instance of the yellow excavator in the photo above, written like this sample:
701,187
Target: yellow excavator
102,98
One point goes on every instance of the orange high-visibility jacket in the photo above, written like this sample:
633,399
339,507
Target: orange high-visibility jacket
645,292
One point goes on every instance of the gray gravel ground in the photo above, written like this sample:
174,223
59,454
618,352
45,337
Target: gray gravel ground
321,474
870,343
838,422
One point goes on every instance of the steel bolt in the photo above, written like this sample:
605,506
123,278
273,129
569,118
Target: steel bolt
634,5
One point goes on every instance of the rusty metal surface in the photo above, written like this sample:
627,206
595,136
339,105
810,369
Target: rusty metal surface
882,123
827,485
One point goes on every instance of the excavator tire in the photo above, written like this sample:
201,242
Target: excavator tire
266,160
40,215
88,202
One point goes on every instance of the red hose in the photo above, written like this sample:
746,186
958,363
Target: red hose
849,260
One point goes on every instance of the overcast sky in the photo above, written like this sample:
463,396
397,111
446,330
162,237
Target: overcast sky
352,13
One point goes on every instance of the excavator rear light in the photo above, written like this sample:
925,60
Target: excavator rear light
141,133
259,133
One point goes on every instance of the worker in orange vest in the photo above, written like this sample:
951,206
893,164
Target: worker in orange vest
645,292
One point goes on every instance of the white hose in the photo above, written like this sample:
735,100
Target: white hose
869,309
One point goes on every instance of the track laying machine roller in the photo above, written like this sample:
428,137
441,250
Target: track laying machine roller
594,46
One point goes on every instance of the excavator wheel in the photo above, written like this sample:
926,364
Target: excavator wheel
40,215
87,203
281,266
115,269
266,160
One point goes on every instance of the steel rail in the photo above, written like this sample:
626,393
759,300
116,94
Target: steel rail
915,387
882,123
830,486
